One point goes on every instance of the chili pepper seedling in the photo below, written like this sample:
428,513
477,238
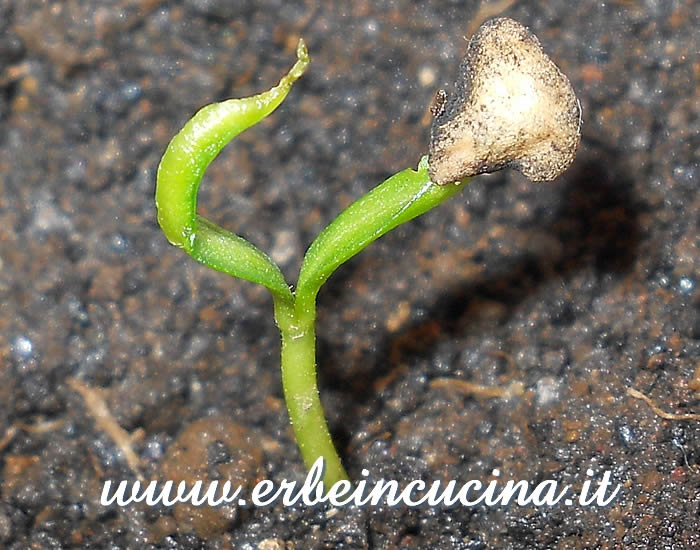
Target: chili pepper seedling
462,145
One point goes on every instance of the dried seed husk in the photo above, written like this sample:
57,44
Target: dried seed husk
512,107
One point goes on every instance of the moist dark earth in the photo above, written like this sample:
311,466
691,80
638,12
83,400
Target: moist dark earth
584,291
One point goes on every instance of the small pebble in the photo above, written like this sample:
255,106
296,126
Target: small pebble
547,389
686,285
22,347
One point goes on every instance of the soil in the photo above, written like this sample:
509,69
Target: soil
121,356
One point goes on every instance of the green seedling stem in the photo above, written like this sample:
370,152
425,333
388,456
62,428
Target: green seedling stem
397,200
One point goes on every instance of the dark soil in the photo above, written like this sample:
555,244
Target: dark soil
579,289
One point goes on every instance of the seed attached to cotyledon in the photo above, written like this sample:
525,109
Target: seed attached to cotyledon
511,107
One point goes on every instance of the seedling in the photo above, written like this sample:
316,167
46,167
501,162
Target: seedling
511,107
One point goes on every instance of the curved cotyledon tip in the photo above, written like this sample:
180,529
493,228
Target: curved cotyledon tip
200,141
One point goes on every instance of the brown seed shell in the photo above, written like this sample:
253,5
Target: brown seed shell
512,107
